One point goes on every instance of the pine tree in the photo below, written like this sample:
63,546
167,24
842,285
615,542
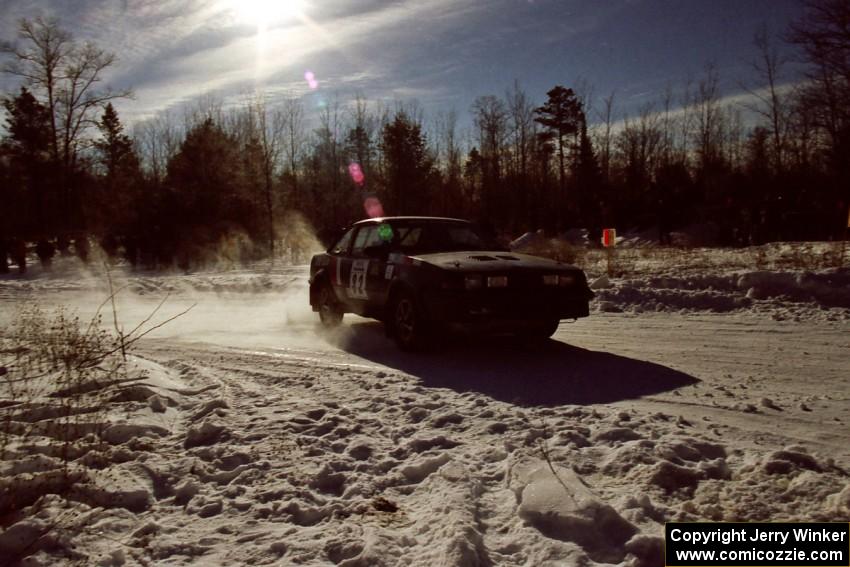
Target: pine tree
409,168
114,210
562,115
116,148
209,194
28,146
589,184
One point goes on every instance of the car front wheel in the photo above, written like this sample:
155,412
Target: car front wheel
408,326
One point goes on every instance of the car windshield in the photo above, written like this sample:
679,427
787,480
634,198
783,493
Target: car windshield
430,237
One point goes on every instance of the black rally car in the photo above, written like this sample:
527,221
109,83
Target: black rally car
423,274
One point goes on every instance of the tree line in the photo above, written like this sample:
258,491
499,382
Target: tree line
229,181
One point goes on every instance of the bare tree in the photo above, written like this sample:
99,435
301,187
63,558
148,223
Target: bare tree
639,144
824,36
490,119
770,103
708,117
449,158
522,125
294,139
157,140
39,63
802,131
329,148
667,124
686,123
606,117
360,140
268,127
67,75
733,136
208,106
584,90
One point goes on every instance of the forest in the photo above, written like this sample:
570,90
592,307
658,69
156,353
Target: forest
190,186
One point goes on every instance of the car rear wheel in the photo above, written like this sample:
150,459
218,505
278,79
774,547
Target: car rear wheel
408,327
330,312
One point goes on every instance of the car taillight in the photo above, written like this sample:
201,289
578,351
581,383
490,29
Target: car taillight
559,279
473,282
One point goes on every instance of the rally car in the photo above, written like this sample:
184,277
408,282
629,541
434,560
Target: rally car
421,275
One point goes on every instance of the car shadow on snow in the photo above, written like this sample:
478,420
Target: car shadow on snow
550,373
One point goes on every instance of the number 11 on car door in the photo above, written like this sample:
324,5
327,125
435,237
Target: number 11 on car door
357,281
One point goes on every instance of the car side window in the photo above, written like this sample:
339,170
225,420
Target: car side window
366,236
410,238
342,245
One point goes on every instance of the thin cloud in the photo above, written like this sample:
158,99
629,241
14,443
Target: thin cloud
230,61
442,52
747,102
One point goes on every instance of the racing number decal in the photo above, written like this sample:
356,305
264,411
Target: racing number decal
357,281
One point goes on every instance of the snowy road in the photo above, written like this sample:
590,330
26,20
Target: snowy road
286,445
634,404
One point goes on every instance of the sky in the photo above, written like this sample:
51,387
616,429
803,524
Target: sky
440,53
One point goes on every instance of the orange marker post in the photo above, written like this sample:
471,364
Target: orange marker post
609,241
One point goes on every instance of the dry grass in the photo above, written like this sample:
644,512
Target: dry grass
637,261
60,377
53,412
55,366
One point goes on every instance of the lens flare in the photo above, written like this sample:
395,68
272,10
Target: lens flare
312,82
373,207
356,173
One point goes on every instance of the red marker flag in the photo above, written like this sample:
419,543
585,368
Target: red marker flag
609,237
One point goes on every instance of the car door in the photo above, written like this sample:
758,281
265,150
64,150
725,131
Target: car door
339,267
381,270
360,269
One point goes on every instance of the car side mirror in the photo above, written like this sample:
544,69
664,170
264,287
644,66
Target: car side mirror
377,252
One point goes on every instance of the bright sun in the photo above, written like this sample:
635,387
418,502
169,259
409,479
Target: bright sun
263,13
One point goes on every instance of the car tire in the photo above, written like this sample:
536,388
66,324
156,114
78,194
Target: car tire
542,330
330,311
409,329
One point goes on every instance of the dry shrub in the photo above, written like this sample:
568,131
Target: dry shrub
558,250
53,395
59,377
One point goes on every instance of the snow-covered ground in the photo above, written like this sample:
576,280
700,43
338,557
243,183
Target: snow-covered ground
706,385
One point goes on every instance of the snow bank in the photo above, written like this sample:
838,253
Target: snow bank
824,294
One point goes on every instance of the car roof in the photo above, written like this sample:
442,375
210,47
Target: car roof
409,218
